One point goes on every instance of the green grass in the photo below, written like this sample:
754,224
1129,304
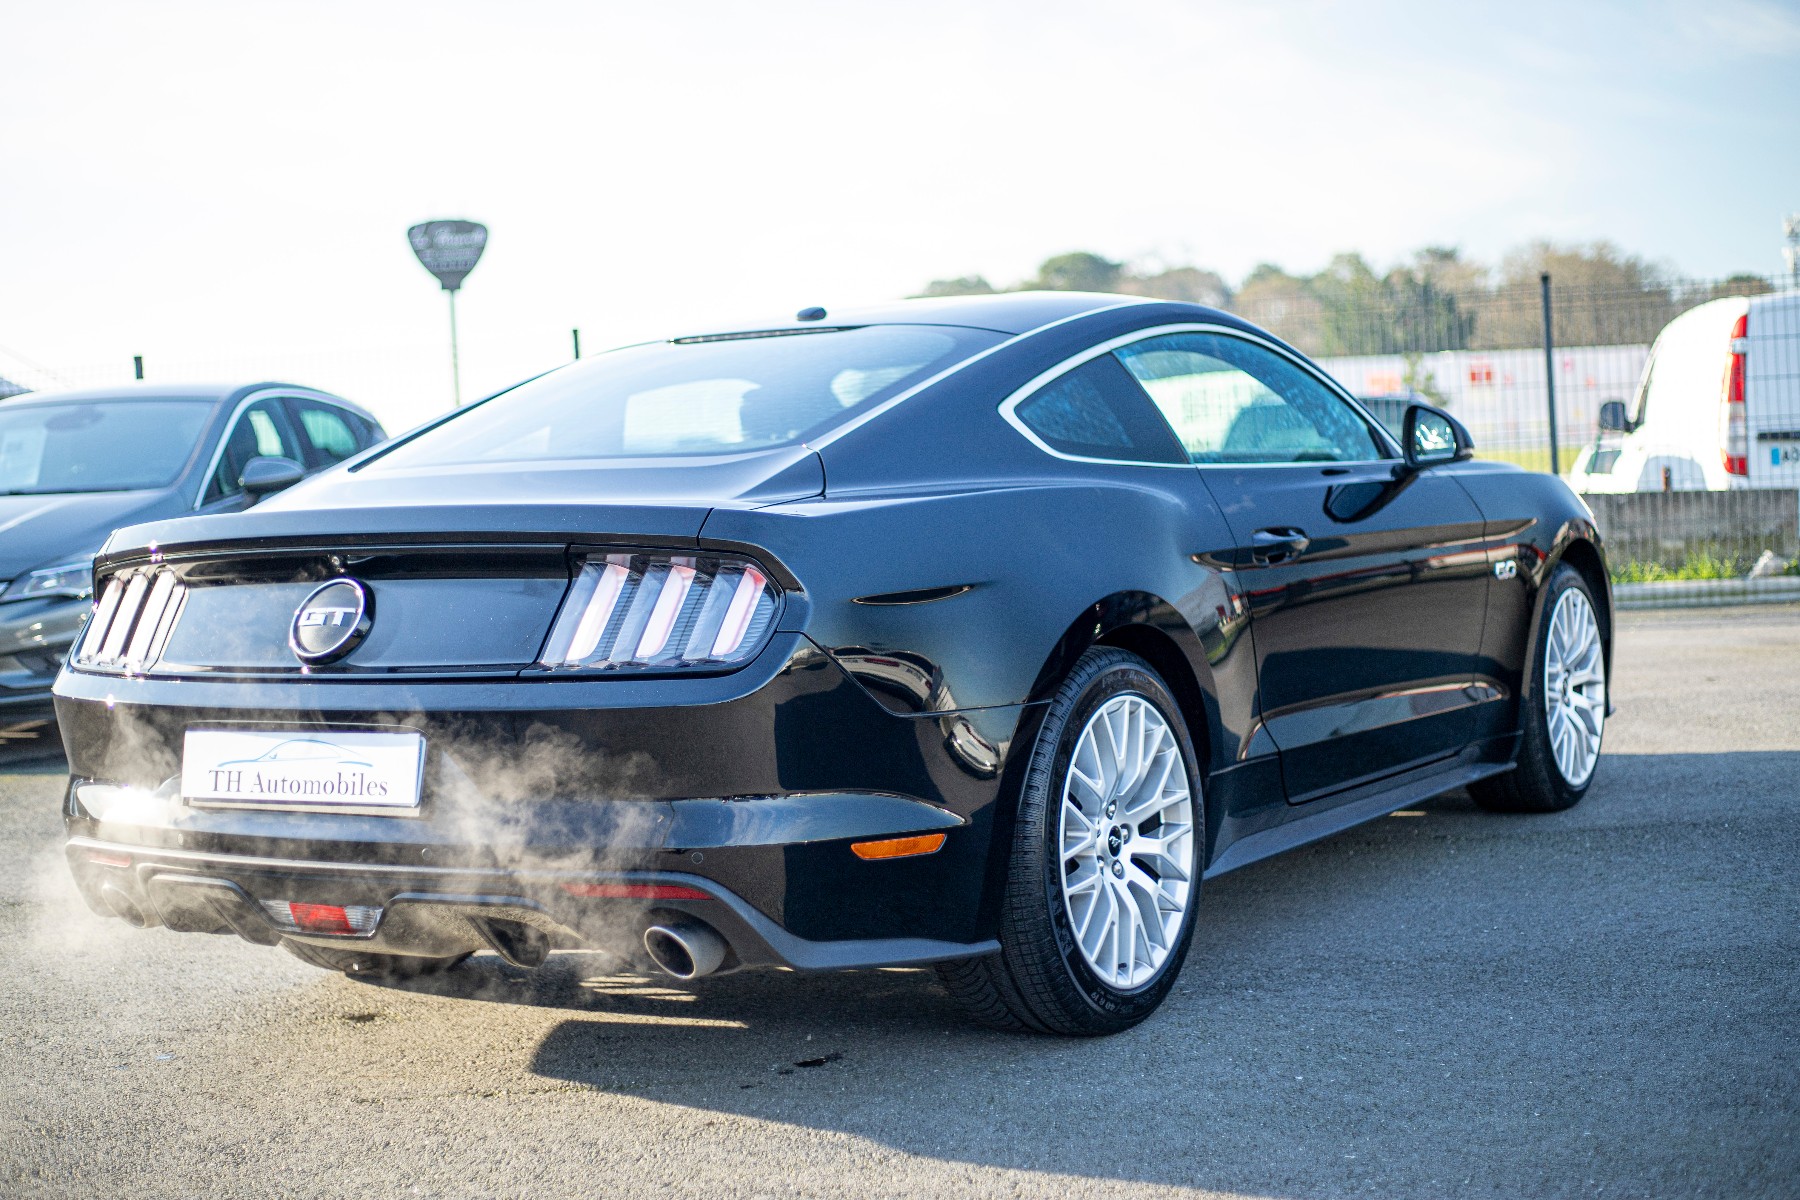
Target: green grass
1696,566
1700,565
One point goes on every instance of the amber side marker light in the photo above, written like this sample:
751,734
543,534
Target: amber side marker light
906,847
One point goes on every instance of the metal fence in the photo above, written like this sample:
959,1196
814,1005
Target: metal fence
1527,368
1487,354
1503,359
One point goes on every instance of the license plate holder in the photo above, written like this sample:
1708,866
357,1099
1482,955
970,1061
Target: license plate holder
359,772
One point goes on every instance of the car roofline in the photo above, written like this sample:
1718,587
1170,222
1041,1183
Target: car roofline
863,418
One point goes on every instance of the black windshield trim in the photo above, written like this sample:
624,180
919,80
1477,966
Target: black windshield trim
746,335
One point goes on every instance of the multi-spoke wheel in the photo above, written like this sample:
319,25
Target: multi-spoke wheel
1563,716
1574,686
1127,837
1104,875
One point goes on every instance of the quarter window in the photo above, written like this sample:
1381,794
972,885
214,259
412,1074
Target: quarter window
1098,411
1231,401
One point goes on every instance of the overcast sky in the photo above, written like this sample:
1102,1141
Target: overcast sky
225,188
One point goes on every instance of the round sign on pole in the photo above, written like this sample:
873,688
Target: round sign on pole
449,249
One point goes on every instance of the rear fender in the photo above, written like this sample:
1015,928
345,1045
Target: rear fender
1150,627
1155,630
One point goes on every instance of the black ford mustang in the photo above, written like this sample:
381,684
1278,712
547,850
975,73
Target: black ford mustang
972,632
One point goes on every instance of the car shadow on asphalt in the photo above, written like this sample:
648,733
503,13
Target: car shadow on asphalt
1444,988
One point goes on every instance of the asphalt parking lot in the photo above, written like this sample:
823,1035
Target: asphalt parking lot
1600,1002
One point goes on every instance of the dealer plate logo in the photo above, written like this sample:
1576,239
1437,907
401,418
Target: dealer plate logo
332,621
370,772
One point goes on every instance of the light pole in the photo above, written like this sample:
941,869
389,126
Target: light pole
449,250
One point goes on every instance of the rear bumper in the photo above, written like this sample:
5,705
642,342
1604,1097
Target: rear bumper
756,785
440,912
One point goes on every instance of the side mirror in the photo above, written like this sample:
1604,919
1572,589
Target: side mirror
1613,417
1429,436
266,475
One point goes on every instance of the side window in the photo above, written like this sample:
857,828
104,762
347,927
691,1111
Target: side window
330,432
1098,411
1232,401
261,429
368,433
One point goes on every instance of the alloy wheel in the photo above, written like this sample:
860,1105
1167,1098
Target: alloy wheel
1126,834
1574,686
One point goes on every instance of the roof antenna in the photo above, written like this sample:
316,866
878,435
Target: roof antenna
815,313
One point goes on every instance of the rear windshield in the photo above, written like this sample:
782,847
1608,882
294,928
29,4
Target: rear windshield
105,447
701,397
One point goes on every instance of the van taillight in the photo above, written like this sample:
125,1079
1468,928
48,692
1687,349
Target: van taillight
1736,430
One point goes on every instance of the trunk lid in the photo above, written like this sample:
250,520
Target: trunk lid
643,500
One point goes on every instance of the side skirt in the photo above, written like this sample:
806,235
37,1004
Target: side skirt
1310,827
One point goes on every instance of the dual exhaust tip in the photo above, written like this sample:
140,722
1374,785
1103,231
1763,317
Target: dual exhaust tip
684,949
125,908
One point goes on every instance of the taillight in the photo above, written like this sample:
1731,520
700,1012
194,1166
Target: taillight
650,611
1735,428
132,620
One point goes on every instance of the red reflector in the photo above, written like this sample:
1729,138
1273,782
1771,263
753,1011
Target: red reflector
103,859
635,891
320,918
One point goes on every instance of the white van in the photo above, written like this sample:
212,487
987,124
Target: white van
1718,406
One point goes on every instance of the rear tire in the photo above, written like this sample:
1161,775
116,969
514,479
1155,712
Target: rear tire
364,965
1104,879
1563,715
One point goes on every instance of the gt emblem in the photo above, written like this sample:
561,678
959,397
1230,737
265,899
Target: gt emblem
331,622
1506,569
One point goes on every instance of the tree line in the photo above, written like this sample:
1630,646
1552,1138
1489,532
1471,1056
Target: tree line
1435,300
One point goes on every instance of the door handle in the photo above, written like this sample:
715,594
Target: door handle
1271,546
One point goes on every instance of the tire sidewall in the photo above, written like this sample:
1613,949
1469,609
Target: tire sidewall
1117,675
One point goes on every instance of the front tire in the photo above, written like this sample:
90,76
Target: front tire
1563,718
1104,875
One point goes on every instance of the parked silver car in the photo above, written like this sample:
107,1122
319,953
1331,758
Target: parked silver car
74,466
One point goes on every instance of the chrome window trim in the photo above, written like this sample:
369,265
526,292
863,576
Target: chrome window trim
837,431
1012,402
237,413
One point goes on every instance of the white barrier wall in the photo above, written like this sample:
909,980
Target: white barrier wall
1500,394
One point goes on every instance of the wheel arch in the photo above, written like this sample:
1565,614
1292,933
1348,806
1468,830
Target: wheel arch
1150,627
1578,546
